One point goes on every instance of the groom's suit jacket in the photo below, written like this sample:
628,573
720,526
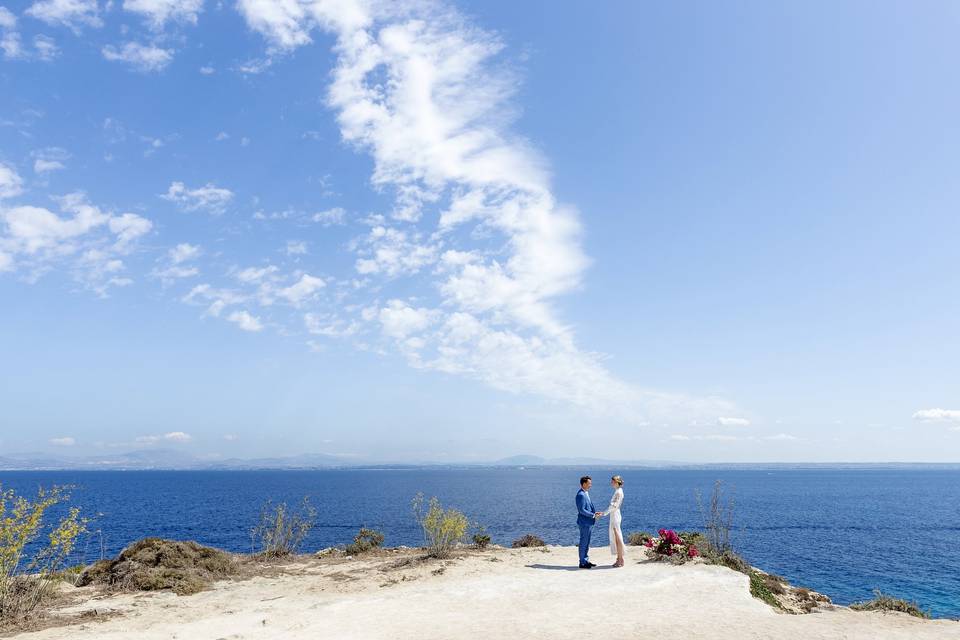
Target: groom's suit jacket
585,509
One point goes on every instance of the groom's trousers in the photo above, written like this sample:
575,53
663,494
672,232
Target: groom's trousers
585,531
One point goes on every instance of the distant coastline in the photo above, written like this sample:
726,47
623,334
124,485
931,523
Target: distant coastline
170,460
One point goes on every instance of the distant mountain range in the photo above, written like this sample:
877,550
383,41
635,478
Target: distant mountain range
166,459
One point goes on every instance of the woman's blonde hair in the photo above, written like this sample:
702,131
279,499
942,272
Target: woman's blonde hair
618,480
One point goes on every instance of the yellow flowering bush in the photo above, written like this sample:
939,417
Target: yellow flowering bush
442,528
25,576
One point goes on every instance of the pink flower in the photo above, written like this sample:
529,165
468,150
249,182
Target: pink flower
648,543
692,552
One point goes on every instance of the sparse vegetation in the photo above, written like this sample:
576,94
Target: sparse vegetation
365,540
154,564
883,602
442,528
481,540
528,540
25,582
717,517
638,538
760,590
281,530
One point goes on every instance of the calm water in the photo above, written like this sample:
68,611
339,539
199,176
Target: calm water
842,532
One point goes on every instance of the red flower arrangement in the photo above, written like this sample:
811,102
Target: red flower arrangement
671,547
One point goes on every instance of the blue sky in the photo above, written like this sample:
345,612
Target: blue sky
432,231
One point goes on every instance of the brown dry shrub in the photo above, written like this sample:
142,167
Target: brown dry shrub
528,540
155,564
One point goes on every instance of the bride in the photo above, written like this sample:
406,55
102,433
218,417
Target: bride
616,536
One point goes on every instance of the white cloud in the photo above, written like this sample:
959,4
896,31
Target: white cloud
392,252
304,289
781,436
252,275
11,184
158,12
65,441
328,325
141,57
173,436
175,272
7,19
49,159
74,14
296,248
330,217
280,20
10,42
733,422
207,70
245,321
32,229
11,45
216,299
45,166
937,415
400,321
183,252
129,227
175,269
6,262
223,135
91,238
45,47
209,197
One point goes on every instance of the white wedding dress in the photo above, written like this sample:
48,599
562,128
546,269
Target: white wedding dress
613,512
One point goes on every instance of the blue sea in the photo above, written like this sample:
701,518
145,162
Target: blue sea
843,532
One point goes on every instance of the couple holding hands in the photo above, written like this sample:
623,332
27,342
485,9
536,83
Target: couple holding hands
587,516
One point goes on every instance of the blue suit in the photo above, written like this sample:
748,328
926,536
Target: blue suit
585,520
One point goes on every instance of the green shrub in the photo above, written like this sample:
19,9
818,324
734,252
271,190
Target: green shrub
280,530
528,540
882,602
760,590
442,528
26,581
637,538
365,540
480,539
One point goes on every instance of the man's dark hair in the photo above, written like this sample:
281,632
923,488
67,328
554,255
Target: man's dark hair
584,479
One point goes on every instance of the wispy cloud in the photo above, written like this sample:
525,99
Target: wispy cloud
173,436
158,12
733,422
427,95
74,14
938,415
209,197
141,57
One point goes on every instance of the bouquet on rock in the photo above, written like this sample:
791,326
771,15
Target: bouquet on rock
670,547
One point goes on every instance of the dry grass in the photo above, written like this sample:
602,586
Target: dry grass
883,602
528,540
154,564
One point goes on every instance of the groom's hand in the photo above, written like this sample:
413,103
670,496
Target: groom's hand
598,514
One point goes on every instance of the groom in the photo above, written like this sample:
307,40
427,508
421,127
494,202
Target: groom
586,518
